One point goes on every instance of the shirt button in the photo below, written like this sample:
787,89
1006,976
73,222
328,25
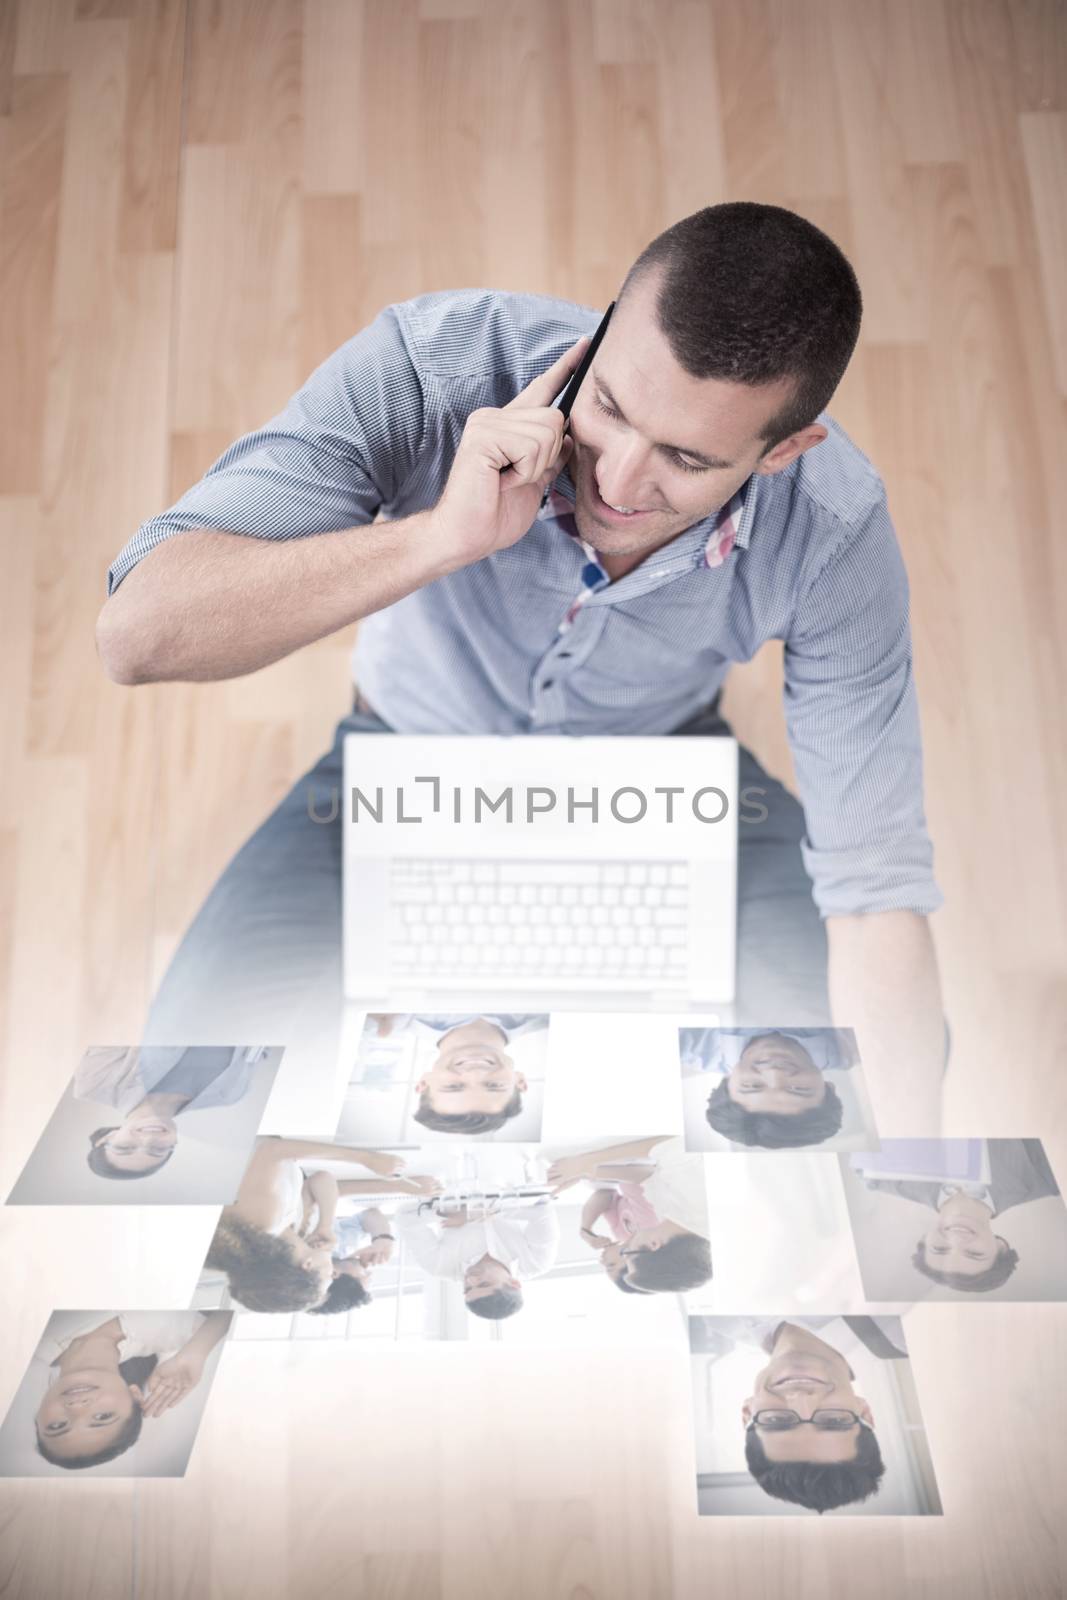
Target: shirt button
548,683
565,655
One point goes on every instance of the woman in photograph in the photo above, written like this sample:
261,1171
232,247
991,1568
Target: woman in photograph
114,1373
151,1087
275,1257
650,1193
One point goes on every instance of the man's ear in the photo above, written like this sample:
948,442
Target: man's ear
513,1283
422,1086
746,1411
864,1410
787,450
520,1083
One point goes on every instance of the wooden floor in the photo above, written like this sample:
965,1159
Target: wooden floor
202,198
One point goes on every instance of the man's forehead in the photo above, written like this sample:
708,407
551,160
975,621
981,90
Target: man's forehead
638,366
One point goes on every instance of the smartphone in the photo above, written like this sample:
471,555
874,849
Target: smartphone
566,399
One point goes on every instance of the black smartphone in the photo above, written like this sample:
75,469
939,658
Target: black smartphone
566,399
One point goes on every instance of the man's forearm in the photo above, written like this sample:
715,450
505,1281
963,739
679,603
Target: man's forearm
884,983
207,604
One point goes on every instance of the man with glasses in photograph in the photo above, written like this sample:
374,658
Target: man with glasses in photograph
809,1437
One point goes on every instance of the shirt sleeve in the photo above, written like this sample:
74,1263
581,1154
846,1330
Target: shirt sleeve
540,1240
338,451
420,1239
853,722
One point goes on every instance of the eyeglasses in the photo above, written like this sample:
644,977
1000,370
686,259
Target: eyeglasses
830,1419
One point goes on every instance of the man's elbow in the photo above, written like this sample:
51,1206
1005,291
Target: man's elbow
120,646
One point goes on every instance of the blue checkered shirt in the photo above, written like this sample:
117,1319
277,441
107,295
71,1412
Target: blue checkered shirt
536,639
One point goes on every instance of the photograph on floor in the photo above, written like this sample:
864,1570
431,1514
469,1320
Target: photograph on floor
476,1243
115,1394
807,1414
416,1079
774,1089
957,1219
273,1248
151,1125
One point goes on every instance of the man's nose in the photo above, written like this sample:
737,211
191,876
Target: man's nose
621,475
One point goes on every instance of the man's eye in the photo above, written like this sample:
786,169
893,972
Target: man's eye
803,1094
56,1427
938,1250
672,455
103,1416
686,466
975,1255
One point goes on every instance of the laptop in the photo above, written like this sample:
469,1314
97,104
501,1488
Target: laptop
539,872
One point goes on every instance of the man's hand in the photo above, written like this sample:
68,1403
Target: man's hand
321,1239
455,1219
375,1253
598,1241
507,457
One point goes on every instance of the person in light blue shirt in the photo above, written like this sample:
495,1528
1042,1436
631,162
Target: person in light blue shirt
363,1240
520,580
151,1087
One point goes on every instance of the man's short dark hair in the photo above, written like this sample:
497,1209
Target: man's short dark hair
774,1130
1001,1270
344,1294
819,1485
503,1302
135,1369
99,1163
466,1121
263,1273
683,1262
752,293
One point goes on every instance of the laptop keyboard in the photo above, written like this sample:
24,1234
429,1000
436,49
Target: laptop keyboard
562,924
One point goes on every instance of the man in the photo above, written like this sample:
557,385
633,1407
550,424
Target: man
361,1241
809,1438
775,1097
490,1249
960,1250
656,1207
151,1087
703,504
473,1085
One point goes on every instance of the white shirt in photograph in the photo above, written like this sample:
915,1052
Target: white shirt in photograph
524,1237
144,1333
